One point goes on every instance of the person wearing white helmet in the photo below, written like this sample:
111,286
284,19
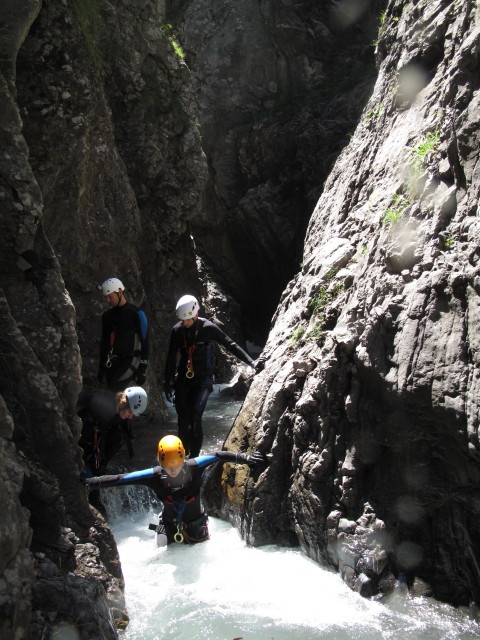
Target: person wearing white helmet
104,416
124,346
190,383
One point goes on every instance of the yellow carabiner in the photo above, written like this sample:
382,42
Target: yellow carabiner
189,374
178,537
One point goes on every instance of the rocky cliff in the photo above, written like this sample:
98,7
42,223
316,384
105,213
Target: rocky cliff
120,158
369,399
101,168
280,86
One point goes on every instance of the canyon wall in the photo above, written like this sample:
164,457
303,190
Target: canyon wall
369,398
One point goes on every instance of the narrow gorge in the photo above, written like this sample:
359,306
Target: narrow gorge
310,171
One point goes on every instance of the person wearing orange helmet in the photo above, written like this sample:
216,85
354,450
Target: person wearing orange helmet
177,481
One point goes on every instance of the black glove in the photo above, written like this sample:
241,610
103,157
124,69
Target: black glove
259,365
141,374
255,458
170,393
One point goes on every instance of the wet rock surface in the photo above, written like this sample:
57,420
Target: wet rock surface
367,406
368,402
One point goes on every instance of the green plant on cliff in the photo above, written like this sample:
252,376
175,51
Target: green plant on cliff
325,295
449,242
395,210
376,113
297,336
167,30
88,15
422,150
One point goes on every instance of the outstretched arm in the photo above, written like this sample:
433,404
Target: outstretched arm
252,459
142,477
232,346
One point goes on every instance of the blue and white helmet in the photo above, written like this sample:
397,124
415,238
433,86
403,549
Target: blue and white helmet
112,285
137,399
187,307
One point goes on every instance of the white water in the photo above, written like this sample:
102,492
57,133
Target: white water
224,590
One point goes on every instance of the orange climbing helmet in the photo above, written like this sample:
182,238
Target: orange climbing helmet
171,452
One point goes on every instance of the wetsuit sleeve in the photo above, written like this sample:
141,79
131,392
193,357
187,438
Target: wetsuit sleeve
144,338
143,477
171,361
219,336
222,456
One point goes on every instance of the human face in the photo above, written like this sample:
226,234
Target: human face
125,413
188,323
115,299
173,471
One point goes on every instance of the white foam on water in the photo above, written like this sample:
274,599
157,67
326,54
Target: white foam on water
223,589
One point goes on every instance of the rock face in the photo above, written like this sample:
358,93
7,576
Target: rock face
280,86
117,159
368,402
369,399
95,130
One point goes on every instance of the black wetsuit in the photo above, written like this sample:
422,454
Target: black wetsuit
103,432
183,510
194,344
124,346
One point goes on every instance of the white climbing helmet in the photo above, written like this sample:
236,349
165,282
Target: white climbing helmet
112,285
137,399
187,307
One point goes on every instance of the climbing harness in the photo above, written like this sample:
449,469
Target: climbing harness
199,526
190,373
189,350
110,355
179,508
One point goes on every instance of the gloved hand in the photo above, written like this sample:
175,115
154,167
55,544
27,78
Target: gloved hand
255,458
170,393
259,364
141,374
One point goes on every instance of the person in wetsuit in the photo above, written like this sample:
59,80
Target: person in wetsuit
177,484
103,416
124,346
189,384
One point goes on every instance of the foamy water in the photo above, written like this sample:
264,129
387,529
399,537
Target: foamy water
224,590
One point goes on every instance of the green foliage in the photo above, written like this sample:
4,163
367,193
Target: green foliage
167,30
325,294
423,148
449,242
297,335
376,113
317,333
394,212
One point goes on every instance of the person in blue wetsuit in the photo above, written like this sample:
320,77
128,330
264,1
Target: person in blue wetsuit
124,346
188,385
177,484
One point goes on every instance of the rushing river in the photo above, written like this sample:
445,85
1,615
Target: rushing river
224,590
